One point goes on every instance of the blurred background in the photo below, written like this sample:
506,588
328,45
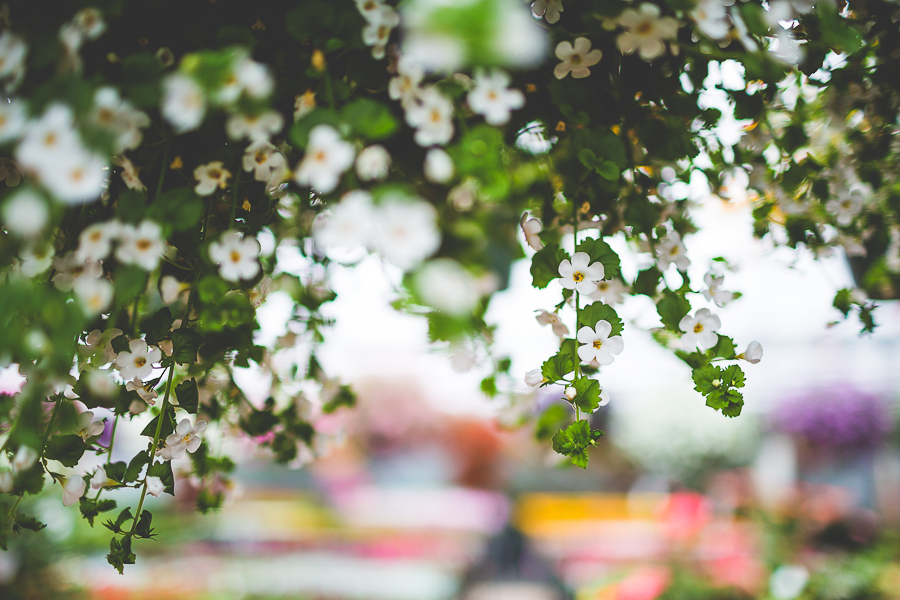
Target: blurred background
429,490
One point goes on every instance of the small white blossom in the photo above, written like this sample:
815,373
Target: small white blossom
407,231
100,479
237,257
548,318
145,391
373,163
369,8
534,378
597,343
87,426
610,291
579,275
96,240
713,293
24,458
327,157
25,213
98,349
530,229
848,204
445,285
266,162
185,437
94,295
350,224
120,118
571,393
672,250
645,31
7,481
712,18
211,176
604,398
86,24
493,98
35,259
13,118
142,245
129,173
12,57
254,127
432,116
69,269
155,486
254,78
439,166
788,582
139,361
73,490
549,9
47,138
753,353
377,30
576,59
304,104
700,330
405,86
77,176
184,104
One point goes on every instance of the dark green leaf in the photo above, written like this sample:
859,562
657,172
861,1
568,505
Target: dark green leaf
135,466
157,326
186,343
545,264
370,119
163,470
188,395
595,312
672,308
67,449
587,396
599,251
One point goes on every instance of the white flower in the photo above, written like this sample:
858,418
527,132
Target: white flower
432,117
70,269
576,59
350,224
236,256
98,347
531,228
552,319
445,285
405,86
700,330
534,378
73,490
35,259
145,391
753,353
407,231
265,161
672,250
610,291
100,384
368,8
304,104
100,479
96,241
155,486
254,78
645,31
120,118
598,345
254,127
12,56
549,9
493,98
327,157
7,480
211,176
25,214
571,393
439,166
184,104
141,245
185,437
788,581
712,19
848,204
604,398
713,293
378,29
13,118
87,23
578,275
77,175
25,457
129,173
87,427
373,163
47,138
94,295
139,361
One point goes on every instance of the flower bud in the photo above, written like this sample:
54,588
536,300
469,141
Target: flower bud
753,353
534,378
571,393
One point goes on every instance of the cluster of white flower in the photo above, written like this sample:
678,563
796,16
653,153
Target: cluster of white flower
713,292
403,229
381,19
51,149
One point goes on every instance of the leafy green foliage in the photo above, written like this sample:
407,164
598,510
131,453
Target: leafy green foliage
719,386
545,264
672,307
91,508
591,314
67,449
188,395
587,397
599,251
186,345
558,366
574,441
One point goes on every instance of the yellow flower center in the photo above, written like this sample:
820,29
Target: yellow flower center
698,328
235,256
644,28
140,361
578,276
143,244
597,344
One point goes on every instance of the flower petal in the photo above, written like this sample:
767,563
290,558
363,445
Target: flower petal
615,344
586,335
603,329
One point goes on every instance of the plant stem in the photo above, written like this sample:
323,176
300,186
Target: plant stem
162,170
112,439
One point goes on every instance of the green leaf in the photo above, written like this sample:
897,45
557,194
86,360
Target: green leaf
163,470
647,282
90,508
545,265
157,326
672,308
587,396
560,364
168,425
259,422
489,387
120,344
143,529
116,526
186,343
595,312
130,281
370,119
718,385
181,207
608,170
188,395
27,522
344,397
574,441
724,348
115,471
67,449
600,251
135,466
554,417
836,30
